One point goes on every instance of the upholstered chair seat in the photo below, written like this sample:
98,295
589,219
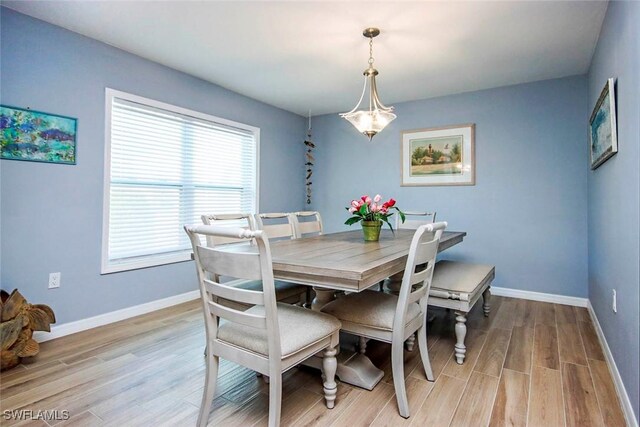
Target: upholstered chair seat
299,328
370,308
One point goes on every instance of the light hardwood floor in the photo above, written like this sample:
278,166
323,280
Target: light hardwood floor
529,363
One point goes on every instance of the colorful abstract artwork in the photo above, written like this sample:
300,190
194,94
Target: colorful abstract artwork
37,137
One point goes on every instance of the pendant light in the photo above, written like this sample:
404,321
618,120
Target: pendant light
370,119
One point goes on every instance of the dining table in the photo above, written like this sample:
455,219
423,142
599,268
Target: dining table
344,261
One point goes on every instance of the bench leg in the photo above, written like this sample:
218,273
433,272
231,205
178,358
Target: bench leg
461,333
486,301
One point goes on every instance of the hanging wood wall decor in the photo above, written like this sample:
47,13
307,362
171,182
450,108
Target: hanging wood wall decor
309,161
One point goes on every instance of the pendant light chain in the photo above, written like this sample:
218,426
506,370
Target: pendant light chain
370,51
377,116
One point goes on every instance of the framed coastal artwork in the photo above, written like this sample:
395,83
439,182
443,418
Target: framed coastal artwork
439,156
603,137
37,137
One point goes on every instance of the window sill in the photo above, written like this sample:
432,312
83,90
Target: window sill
108,268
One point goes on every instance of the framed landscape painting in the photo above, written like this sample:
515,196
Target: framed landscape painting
37,137
439,156
602,126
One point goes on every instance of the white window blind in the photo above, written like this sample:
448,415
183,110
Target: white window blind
167,167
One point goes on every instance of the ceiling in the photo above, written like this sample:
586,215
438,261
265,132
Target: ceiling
303,56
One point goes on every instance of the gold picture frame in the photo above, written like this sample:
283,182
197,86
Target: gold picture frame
438,156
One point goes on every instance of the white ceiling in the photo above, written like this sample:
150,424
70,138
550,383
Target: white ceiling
310,55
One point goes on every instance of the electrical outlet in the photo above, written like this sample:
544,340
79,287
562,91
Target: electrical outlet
54,280
614,304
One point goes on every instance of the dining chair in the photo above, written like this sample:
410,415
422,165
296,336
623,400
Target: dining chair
288,292
269,337
394,318
236,220
273,225
413,220
307,223
282,226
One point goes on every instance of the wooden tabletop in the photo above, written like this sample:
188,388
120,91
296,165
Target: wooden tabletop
344,260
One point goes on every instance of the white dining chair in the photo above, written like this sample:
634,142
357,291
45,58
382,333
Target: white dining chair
278,226
288,292
307,223
232,220
394,318
270,337
413,220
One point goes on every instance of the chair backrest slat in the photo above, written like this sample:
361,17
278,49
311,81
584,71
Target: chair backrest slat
242,265
242,220
413,220
264,222
236,316
307,222
427,250
417,281
277,231
309,227
228,291
418,272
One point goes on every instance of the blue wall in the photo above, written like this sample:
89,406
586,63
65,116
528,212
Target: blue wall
52,214
614,195
527,213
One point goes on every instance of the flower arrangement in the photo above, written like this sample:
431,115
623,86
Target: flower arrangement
372,214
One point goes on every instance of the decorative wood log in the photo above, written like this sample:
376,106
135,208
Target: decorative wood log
19,320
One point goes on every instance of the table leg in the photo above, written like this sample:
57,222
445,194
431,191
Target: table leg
323,297
353,367
395,283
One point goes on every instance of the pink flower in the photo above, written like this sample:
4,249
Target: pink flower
377,198
367,200
355,204
375,208
352,209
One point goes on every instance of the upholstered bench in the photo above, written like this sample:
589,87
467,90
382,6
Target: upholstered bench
458,286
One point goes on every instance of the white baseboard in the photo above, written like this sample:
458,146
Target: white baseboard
539,296
613,369
64,329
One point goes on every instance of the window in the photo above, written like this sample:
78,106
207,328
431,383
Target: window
164,167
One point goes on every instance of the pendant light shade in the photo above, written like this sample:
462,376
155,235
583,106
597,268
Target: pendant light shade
370,115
